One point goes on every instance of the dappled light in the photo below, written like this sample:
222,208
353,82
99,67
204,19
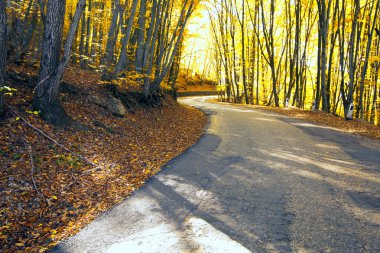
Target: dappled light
326,146
313,125
302,54
189,126
327,166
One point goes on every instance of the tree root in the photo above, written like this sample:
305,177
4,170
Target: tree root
29,149
55,142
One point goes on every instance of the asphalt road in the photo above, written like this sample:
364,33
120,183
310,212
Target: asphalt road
256,182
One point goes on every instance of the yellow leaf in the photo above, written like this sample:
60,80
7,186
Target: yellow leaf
20,244
54,197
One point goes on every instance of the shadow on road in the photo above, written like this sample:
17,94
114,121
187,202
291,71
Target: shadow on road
244,188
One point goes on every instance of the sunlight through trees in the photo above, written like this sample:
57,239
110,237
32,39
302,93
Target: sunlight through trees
311,54
321,54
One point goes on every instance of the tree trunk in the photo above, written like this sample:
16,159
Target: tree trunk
374,102
82,41
88,25
108,57
46,97
150,34
125,39
242,25
3,52
151,88
140,34
324,17
352,59
359,112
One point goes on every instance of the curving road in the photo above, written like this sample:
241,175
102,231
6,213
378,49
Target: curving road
256,182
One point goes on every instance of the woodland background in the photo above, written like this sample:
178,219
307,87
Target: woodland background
62,63
317,54
140,39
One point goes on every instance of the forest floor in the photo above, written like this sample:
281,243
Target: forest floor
355,126
49,192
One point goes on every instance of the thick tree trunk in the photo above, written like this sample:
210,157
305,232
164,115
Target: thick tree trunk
46,98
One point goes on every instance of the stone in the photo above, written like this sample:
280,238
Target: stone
97,100
115,106
112,104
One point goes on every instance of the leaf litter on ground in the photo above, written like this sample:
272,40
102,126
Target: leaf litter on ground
48,194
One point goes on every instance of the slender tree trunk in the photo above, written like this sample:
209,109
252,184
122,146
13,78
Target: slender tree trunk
3,52
140,34
352,58
334,36
174,70
243,56
82,41
125,39
88,35
319,71
374,98
269,45
95,46
150,34
151,88
108,57
234,67
324,17
258,80
371,28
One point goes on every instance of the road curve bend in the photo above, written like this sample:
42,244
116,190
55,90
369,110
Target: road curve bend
256,182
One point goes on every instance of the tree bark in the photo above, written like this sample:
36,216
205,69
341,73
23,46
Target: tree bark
3,51
46,97
125,39
140,34
151,88
108,58
371,28
88,35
